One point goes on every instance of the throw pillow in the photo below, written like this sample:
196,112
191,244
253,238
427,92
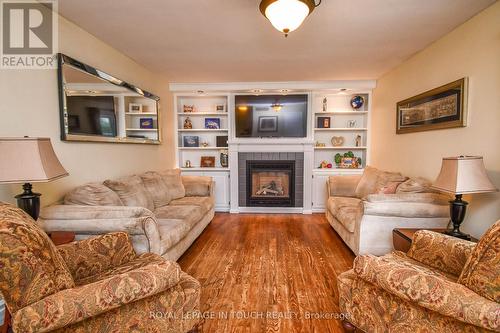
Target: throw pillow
157,188
92,194
480,273
389,188
172,178
368,182
131,192
415,185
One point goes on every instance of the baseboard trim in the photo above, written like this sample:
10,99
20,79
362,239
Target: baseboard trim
272,210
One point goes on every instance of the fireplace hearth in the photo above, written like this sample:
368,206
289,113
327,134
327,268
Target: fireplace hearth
270,183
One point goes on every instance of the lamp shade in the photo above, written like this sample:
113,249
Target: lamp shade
463,175
28,160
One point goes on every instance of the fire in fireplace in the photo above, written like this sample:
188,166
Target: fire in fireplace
270,183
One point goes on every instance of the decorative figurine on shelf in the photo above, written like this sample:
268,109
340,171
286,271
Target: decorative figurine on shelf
320,144
358,141
338,159
325,165
204,144
337,141
357,102
187,164
351,123
325,104
188,124
188,108
224,158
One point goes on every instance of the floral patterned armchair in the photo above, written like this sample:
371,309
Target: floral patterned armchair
95,285
443,284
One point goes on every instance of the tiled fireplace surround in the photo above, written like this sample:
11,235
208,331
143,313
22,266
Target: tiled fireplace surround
298,157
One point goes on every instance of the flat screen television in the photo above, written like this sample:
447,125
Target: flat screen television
280,116
91,115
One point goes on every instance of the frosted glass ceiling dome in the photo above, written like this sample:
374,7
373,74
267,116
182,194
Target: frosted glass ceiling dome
287,15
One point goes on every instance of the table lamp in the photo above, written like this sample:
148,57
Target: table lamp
28,160
458,176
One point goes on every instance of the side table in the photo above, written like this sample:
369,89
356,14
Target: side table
402,237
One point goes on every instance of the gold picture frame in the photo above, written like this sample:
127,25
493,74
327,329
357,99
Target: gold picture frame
439,108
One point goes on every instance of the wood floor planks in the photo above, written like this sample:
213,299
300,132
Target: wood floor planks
268,273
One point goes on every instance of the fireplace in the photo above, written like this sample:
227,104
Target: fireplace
270,183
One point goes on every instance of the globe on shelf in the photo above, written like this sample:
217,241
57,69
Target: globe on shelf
357,102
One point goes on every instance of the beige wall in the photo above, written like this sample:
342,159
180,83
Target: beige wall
472,50
29,106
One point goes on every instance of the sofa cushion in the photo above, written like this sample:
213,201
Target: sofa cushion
191,215
157,188
172,231
348,211
481,272
373,180
131,192
415,185
207,203
173,180
92,194
197,186
343,186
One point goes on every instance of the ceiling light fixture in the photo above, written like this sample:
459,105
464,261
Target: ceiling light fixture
277,107
287,15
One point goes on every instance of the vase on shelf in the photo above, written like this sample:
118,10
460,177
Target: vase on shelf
224,158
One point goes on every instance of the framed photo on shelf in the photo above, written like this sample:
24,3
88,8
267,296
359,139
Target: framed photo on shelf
146,123
220,108
268,124
190,141
207,162
439,108
188,108
324,122
221,141
134,108
212,123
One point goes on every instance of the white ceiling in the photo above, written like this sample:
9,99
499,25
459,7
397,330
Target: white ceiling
229,40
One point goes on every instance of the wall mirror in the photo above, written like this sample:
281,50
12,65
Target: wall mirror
97,107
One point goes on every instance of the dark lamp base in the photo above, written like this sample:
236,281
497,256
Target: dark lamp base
29,201
457,214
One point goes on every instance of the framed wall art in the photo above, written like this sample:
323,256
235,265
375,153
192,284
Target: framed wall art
439,108
268,124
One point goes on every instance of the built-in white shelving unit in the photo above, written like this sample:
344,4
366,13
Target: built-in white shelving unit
344,121
205,107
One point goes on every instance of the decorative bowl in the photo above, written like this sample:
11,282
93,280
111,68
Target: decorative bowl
357,102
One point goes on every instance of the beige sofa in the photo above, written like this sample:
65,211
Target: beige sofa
364,209
163,212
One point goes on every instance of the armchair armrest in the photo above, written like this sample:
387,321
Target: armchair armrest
429,290
342,186
70,306
406,209
198,186
446,253
92,220
97,254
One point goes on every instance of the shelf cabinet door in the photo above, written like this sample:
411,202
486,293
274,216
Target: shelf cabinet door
319,192
221,190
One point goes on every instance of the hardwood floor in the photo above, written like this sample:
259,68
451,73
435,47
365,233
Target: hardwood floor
268,273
